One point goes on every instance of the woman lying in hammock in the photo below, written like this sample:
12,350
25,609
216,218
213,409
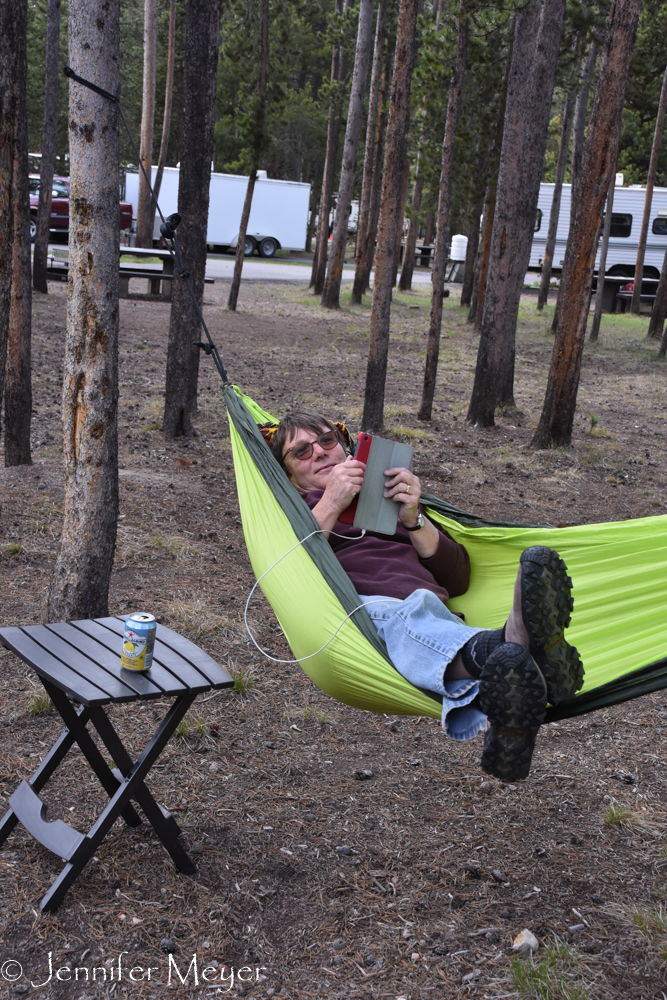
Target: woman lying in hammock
505,676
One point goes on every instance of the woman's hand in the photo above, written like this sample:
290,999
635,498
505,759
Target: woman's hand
404,487
342,487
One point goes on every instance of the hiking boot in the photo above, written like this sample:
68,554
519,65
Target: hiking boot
513,696
546,609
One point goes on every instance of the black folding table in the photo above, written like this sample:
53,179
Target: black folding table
79,662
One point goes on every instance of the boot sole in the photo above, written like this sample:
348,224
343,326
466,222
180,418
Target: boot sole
546,608
513,696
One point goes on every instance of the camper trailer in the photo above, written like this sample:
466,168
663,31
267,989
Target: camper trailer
626,222
278,217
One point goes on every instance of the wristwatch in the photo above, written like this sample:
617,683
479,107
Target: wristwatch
421,521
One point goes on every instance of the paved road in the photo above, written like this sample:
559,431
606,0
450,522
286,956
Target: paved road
279,270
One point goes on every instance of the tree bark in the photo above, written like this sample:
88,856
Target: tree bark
407,270
530,86
400,221
557,418
80,582
580,113
18,388
366,250
365,202
9,28
199,86
331,293
318,272
595,328
144,200
444,200
166,119
479,292
563,153
257,149
48,150
394,165
471,253
659,310
650,181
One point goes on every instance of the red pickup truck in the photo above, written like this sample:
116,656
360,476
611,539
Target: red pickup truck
60,206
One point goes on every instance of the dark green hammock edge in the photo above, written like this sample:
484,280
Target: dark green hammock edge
652,677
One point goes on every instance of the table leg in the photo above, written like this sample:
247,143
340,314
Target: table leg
53,758
162,821
119,802
88,748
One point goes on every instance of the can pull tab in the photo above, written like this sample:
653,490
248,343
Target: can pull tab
142,617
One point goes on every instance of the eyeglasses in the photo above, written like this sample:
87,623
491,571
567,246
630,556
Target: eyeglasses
305,450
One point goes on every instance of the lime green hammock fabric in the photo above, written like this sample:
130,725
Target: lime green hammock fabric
619,571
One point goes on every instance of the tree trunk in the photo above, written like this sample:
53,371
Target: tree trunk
595,329
366,250
530,86
331,293
394,165
400,221
166,119
18,389
202,37
80,582
444,200
659,310
258,146
319,268
598,162
144,200
563,153
471,253
580,113
372,137
477,304
650,181
49,131
9,29
407,270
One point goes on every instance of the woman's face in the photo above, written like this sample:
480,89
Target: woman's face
311,473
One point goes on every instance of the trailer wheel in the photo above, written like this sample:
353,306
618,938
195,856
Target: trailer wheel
249,246
33,228
268,247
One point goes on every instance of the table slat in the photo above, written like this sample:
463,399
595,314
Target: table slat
217,675
170,660
76,687
85,653
161,678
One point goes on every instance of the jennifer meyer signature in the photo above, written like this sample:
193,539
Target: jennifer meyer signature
117,970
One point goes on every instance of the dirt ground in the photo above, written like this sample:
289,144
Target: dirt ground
413,883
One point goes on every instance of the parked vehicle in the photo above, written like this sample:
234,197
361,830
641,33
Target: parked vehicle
278,217
626,222
60,206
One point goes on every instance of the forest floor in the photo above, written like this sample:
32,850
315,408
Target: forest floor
411,884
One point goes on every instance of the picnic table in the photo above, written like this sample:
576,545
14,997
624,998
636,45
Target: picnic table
159,278
614,296
78,663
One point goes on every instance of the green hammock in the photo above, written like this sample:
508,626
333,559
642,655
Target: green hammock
619,571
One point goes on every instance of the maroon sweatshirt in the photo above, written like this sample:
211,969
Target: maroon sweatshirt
388,565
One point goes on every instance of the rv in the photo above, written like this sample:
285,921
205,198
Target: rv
278,217
626,223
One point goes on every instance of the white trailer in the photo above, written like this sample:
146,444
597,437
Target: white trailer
626,223
278,217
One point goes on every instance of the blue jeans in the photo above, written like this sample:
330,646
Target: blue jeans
422,638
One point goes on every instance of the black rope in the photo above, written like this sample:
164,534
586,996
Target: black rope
167,228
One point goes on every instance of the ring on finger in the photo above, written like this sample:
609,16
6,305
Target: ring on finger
407,488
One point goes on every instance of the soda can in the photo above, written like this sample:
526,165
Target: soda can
138,641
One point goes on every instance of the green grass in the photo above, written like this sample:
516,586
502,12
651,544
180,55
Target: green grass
153,427
552,977
617,814
192,725
243,681
14,549
412,433
652,923
38,703
315,713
